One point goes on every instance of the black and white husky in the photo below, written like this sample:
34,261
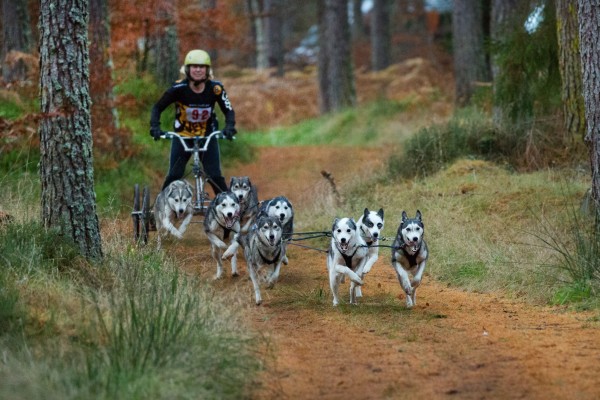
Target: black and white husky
264,250
409,255
280,207
346,256
370,224
221,223
173,203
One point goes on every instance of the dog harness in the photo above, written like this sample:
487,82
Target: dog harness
348,259
412,258
267,261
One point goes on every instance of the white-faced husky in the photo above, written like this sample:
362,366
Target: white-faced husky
280,207
370,224
409,255
264,250
220,224
247,196
347,256
173,204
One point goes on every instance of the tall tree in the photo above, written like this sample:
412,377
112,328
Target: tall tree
336,72
16,37
257,15
66,165
504,17
166,44
469,54
274,34
570,67
589,34
358,25
381,36
105,119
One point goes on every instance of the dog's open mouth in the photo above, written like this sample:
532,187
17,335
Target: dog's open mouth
344,247
414,246
229,222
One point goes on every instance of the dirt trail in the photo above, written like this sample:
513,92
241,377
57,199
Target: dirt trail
451,345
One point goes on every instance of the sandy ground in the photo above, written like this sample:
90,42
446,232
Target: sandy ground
453,344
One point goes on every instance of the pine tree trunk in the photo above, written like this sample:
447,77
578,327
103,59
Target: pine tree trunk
570,67
337,58
274,29
105,118
469,54
381,38
66,165
589,15
504,16
16,36
166,45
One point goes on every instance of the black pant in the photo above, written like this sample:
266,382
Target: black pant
211,161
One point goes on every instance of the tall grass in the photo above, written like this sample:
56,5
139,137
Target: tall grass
576,243
129,328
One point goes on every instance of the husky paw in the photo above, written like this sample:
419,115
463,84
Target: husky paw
285,260
271,283
235,274
358,281
358,292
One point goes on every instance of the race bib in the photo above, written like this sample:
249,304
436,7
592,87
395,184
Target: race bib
196,114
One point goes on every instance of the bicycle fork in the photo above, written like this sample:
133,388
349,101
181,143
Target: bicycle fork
197,170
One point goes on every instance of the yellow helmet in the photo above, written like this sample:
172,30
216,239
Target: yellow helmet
197,57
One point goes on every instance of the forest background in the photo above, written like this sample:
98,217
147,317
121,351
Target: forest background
496,85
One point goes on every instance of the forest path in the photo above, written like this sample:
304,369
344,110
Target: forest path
453,344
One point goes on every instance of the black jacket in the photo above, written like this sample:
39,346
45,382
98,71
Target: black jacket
194,112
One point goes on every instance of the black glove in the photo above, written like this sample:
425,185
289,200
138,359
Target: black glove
229,132
156,133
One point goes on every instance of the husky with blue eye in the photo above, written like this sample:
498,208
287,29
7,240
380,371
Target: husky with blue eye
409,255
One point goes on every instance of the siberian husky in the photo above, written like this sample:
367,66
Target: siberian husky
248,198
173,203
280,207
222,219
264,250
370,225
409,255
347,256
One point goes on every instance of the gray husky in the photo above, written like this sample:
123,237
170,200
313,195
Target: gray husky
222,221
172,204
247,196
264,250
409,255
346,256
280,207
